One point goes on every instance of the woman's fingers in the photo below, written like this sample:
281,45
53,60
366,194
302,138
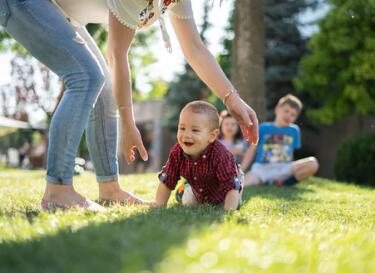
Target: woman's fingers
246,131
254,127
247,119
130,156
245,115
142,151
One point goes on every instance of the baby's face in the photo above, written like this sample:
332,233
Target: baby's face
194,133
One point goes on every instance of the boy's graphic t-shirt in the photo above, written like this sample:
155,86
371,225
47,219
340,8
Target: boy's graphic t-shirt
277,144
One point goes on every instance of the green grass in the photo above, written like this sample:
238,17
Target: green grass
318,226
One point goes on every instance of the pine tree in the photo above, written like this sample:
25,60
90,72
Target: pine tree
284,46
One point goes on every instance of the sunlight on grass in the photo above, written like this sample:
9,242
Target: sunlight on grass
317,226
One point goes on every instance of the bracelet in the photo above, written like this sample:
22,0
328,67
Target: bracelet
124,107
227,95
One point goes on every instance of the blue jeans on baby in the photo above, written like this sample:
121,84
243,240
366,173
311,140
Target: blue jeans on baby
87,103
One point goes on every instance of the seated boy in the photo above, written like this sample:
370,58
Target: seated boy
274,153
201,160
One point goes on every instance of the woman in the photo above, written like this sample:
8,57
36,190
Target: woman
66,48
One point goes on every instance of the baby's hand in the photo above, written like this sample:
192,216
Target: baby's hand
153,204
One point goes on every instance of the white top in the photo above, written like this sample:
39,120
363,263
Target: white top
82,12
134,14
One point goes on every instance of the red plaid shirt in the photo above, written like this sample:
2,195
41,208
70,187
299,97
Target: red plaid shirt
210,176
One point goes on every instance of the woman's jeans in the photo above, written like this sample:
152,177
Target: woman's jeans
87,102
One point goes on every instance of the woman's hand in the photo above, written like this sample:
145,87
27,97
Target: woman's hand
131,139
245,116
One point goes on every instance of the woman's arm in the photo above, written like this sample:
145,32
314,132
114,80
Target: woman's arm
119,40
205,65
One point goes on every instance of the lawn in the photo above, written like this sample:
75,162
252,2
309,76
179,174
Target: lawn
317,226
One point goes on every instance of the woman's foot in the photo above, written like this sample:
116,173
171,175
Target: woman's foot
65,197
110,193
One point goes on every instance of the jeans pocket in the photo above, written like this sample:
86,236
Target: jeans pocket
4,12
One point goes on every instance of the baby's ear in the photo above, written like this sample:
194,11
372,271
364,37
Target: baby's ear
213,135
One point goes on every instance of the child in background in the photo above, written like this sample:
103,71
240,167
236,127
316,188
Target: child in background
231,136
274,153
198,157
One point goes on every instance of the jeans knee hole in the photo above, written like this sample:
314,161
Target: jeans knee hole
79,40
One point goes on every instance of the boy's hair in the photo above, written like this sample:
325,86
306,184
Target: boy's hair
205,108
292,101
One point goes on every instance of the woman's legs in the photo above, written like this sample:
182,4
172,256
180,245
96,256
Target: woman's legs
102,133
49,37
101,130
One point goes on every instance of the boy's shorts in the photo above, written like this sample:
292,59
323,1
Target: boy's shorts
269,172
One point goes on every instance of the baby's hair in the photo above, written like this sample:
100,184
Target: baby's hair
292,101
223,115
205,108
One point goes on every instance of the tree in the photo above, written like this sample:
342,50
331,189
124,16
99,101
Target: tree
284,47
339,72
248,53
24,94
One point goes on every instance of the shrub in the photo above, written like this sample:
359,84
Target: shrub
355,160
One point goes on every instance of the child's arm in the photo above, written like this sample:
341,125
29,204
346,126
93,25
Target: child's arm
162,196
248,157
232,199
237,150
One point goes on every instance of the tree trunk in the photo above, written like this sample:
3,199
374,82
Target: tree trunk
248,73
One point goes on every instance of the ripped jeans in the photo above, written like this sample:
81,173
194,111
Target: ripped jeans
87,102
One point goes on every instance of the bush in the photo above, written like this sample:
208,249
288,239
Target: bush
355,160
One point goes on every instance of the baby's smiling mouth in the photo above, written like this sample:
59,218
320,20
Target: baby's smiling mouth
188,144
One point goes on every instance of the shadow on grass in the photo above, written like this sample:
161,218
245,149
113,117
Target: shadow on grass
292,193
136,243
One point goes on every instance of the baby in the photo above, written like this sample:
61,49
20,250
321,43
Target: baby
209,168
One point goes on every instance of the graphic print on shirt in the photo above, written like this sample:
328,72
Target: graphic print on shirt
277,148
